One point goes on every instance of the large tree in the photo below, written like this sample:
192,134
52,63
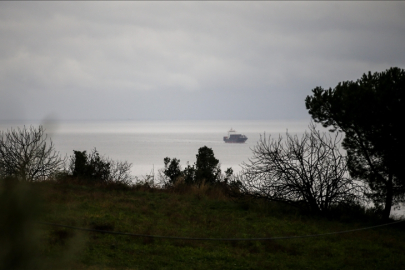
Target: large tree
370,112
308,171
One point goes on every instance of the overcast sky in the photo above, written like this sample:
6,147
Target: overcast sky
187,60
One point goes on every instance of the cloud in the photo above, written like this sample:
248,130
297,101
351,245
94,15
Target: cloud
188,60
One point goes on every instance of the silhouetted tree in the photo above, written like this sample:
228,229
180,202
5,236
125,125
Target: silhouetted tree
309,171
370,112
27,155
80,163
95,168
172,169
189,174
207,167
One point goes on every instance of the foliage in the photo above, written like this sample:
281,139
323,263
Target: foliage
370,113
163,212
98,169
90,166
207,166
228,175
205,170
172,169
189,174
309,171
26,154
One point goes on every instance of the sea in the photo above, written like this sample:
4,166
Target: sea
145,144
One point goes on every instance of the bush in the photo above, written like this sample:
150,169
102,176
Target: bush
206,170
94,168
172,169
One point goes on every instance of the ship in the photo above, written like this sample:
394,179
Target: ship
234,138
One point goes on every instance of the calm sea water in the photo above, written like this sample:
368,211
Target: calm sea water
146,143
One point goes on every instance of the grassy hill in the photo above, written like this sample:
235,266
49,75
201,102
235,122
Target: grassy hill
187,212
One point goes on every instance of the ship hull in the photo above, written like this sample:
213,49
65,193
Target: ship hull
238,140
235,138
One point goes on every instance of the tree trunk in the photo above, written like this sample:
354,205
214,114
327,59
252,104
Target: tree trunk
388,198
313,205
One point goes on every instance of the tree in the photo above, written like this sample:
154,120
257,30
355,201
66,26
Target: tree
205,170
172,169
207,166
370,113
309,171
189,174
95,168
26,154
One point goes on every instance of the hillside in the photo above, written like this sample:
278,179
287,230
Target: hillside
194,213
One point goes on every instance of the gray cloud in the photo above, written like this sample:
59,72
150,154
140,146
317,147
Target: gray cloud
187,60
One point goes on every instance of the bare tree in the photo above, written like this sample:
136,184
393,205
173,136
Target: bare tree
26,154
310,170
120,172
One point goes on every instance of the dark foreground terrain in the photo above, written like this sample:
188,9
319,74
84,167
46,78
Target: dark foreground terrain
185,212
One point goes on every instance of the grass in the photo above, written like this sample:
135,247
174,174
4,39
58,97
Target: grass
206,213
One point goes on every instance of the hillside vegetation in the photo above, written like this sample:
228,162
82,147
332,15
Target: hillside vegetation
182,211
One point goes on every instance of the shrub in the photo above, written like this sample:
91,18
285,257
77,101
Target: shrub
94,168
206,170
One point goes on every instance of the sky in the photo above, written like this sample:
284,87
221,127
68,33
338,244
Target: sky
188,60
